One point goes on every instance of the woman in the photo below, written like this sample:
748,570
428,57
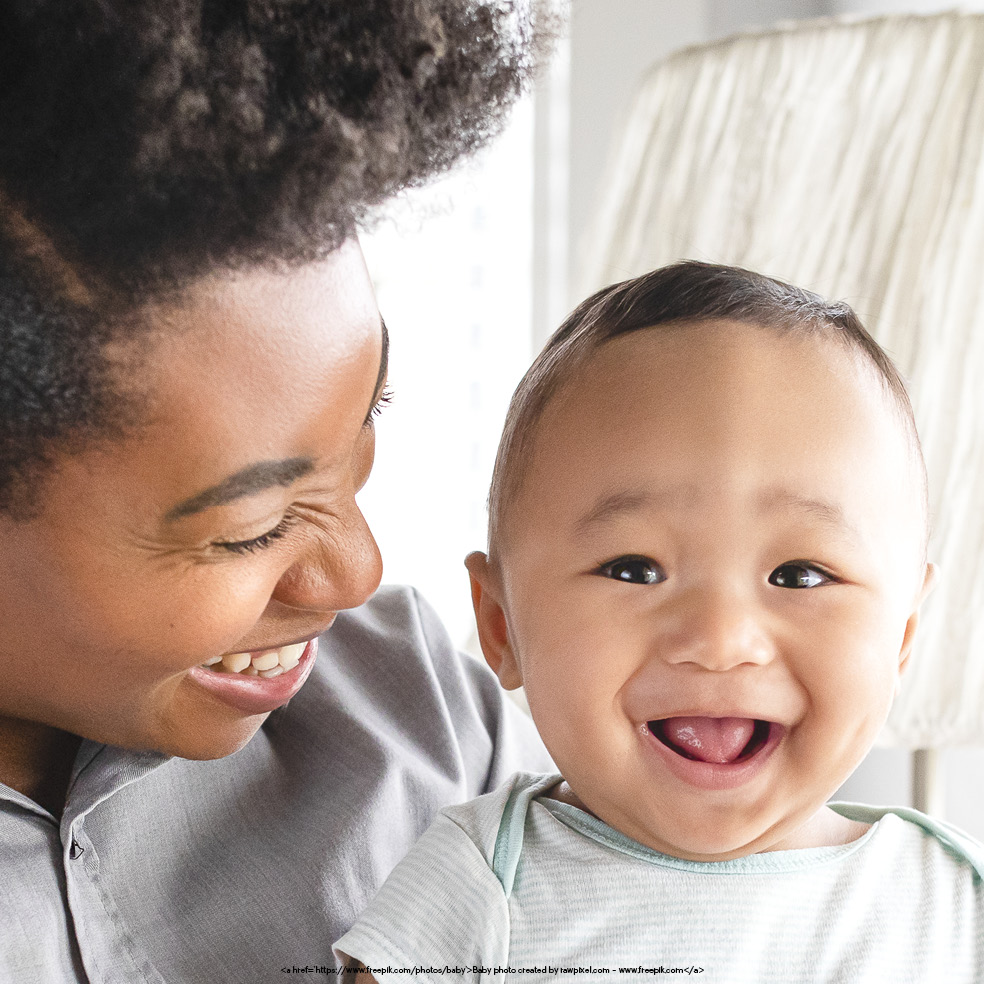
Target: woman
190,362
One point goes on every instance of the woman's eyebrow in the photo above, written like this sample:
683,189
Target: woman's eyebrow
266,474
246,481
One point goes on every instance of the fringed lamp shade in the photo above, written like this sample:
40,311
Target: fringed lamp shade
846,157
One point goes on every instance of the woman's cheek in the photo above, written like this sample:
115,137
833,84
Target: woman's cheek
211,612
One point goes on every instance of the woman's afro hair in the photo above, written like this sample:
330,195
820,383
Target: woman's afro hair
144,144
152,140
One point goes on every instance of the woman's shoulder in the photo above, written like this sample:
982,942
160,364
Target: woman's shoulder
397,618
393,649
390,686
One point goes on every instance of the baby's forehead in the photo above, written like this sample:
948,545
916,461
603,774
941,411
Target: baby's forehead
707,322
705,368
729,394
727,354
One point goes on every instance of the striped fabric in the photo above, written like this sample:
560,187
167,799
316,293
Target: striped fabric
514,886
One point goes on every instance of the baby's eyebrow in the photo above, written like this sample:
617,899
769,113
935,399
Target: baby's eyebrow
616,504
830,513
680,496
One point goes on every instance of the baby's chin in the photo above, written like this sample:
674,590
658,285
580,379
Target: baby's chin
718,831
692,841
710,842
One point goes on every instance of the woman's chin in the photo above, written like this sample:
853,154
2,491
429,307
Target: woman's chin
205,743
201,741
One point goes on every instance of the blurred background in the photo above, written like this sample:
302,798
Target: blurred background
475,271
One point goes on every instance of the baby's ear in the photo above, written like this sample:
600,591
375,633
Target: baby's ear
930,578
490,615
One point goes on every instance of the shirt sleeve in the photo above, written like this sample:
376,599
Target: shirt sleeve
442,912
472,693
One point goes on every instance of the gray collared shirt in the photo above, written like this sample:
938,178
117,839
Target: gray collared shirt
166,870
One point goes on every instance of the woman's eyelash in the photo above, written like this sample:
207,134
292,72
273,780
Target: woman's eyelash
385,399
280,530
262,541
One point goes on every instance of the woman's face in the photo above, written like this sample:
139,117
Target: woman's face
226,525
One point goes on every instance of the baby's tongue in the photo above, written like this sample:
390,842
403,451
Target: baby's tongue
709,739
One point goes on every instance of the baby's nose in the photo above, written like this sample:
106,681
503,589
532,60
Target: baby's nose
717,629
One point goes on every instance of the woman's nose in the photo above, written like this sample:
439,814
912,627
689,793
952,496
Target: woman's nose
717,629
336,570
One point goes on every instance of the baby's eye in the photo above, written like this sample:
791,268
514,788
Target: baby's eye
798,576
633,570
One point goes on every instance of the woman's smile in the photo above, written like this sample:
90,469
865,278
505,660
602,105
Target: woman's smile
257,683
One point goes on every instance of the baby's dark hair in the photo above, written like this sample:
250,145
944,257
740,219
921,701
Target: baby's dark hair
690,293
144,145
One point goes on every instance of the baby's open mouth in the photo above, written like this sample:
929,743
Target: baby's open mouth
266,663
721,741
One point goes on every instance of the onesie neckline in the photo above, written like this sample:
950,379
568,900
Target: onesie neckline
767,862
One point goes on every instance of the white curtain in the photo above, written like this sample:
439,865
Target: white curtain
846,156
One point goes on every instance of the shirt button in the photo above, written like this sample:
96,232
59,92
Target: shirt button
76,850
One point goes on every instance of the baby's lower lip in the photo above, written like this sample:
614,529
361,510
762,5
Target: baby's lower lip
256,694
717,775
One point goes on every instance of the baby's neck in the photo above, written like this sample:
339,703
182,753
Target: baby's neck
824,829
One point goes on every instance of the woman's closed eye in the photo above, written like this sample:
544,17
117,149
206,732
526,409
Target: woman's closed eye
799,574
259,542
385,399
632,570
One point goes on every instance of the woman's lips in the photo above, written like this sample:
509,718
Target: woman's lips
256,694
765,737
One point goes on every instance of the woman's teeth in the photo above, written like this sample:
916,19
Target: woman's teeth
269,663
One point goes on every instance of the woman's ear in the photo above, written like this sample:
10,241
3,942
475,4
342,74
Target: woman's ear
929,582
490,616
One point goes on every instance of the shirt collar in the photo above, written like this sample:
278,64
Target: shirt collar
102,770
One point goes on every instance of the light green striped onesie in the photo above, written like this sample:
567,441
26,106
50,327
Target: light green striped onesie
514,886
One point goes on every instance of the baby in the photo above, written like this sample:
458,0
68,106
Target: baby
707,554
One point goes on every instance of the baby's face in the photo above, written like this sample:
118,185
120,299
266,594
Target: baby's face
710,583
